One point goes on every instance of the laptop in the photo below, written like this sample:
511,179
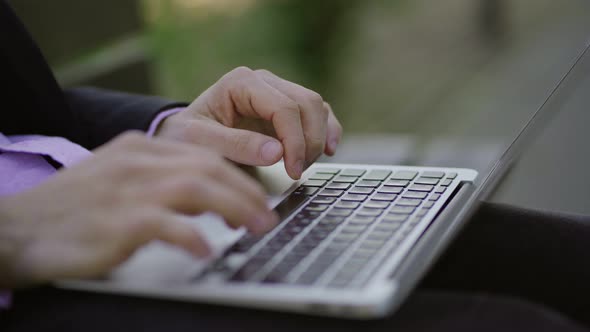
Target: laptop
353,242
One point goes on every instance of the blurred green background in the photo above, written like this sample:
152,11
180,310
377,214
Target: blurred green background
422,82
385,65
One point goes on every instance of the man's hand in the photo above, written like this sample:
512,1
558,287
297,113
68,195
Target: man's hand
91,217
256,118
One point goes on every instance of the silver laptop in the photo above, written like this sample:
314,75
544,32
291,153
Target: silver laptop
354,239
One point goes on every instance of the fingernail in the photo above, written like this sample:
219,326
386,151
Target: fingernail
271,151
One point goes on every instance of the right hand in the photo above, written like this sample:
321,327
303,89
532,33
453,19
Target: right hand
88,219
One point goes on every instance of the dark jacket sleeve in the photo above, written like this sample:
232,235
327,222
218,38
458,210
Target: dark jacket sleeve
33,103
103,114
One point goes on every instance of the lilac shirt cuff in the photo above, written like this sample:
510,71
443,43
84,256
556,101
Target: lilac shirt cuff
64,152
161,117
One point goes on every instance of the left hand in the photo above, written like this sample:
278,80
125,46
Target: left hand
256,118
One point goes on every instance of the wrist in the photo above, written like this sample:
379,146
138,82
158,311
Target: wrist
159,120
13,238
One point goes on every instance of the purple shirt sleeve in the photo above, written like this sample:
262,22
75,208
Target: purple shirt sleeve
23,167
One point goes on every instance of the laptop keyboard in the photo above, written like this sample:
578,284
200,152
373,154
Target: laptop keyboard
348,220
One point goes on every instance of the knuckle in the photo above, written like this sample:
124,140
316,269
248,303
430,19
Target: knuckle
315,99
239,143
131,138
182,187
129,167
292,106
213,167
264,72
316,146
241,71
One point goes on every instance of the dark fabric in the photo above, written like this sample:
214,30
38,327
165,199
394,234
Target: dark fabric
466,291
33,103
540,256
426,310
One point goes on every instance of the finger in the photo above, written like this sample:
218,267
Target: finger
242,146
197,195
314,115
334,132
165,226
252,96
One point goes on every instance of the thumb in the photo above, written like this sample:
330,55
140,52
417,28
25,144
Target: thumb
240,145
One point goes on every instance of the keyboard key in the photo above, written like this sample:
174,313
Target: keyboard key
322,176
354,197
361,190
362,220
368,183
245,243
415,194
372,244
290,204
347,205
433,174
384,197
402,209
338,185
332,220
310,275
446,182
307,191
424,180
361,256
314,183
389,228
368,212
378,236
397,183
421,187
323,200
316,207
434,197
428,204
377,174
376,204
245,273
353,172
391,190
345,238
404,175
345,179
339,212
452,175
422,212
331,192
327,170
409,201
353,229
394,218
440,190
309,214
278,274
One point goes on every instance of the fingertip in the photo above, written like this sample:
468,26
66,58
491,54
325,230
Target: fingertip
331,146
271,152
202,249
295,171
264,223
